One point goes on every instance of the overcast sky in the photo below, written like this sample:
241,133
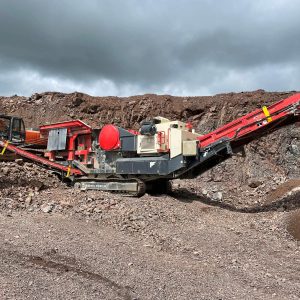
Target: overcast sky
127,47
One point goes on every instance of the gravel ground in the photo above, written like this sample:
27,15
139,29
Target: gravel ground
186,250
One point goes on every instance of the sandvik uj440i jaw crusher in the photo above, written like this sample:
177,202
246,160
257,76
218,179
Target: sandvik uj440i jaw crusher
117,159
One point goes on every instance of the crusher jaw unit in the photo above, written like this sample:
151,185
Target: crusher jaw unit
132,162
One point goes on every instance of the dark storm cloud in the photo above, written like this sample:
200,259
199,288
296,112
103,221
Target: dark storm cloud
138,46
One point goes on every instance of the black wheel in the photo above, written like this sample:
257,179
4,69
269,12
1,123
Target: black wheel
159,187
141,189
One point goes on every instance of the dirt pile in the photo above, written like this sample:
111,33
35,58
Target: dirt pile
293,226
21,182
206,113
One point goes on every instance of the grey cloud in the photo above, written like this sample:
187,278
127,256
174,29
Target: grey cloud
132,46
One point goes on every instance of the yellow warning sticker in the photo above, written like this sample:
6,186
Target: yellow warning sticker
4,148
267,113
68,171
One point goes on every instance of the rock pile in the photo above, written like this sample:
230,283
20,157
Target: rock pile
21,181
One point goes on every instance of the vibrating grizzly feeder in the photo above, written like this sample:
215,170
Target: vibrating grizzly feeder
116,159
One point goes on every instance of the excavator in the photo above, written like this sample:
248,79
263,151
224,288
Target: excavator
135,162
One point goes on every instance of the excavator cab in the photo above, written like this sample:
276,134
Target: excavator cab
12,129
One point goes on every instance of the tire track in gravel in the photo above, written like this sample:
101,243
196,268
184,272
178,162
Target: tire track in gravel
54,264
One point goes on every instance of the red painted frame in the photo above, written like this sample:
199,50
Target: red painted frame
252,121
76,130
